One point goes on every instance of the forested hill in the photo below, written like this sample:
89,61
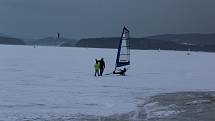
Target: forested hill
194,39
135,43
11,41
54,41
194,42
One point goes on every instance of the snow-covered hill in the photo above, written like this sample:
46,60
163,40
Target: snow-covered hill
47,82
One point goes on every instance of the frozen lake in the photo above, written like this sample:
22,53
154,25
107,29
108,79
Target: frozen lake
52,82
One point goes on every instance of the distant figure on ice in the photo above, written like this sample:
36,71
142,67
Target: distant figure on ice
58,35
102,66
188,53
121,72
97,66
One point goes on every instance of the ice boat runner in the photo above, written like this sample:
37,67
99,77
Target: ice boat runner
123,54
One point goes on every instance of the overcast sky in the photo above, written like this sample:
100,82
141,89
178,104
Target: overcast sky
98,18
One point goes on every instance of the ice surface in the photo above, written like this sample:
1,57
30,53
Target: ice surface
47,81
195,102
153,110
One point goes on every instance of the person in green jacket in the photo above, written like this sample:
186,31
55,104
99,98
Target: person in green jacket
97,67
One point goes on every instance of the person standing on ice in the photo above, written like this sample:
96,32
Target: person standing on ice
97,67
58,35
102,66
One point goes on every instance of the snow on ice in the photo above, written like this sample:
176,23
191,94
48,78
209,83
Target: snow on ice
46,81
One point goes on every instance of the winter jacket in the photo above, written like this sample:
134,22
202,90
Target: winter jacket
97,66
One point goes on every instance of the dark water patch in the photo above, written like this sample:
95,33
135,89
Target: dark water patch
45,76
182,106
91,104
22,106
107,86
12,70
30,82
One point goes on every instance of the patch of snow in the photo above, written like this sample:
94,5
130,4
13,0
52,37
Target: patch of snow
154,110
195,102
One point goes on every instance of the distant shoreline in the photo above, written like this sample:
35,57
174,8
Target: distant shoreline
177,42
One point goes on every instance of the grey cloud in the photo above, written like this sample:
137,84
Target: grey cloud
92,18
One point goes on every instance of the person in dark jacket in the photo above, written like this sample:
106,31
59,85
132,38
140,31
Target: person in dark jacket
58,35
102,66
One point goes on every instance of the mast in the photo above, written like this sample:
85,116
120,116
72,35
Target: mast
123,54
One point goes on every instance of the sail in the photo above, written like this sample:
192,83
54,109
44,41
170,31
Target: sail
123,54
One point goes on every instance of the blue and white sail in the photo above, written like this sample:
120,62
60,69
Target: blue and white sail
123,54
